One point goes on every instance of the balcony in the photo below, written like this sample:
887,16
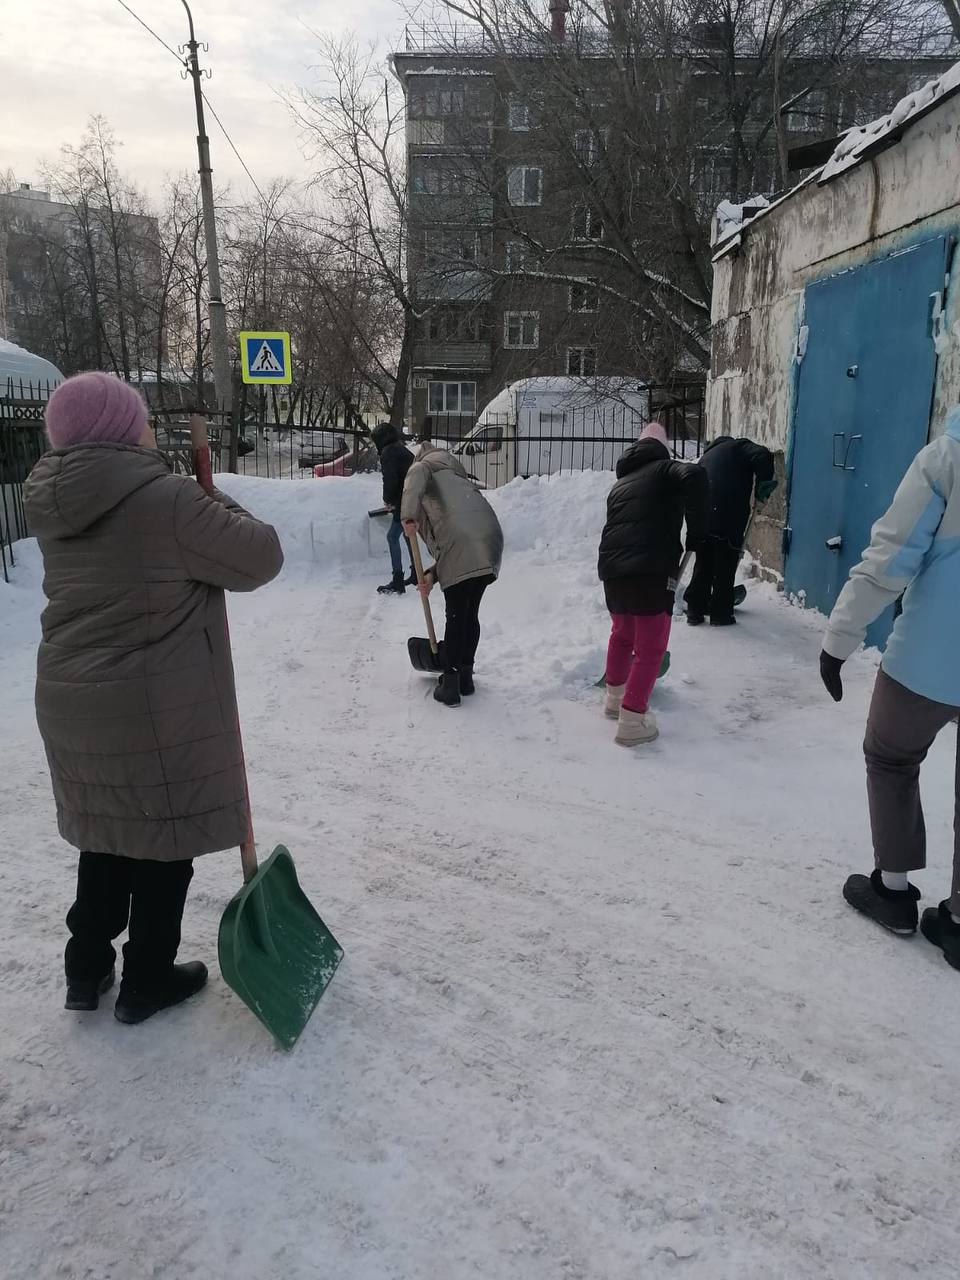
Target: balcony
468,210
452,355
453,133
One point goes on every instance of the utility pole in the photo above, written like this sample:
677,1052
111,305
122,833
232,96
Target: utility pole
222,380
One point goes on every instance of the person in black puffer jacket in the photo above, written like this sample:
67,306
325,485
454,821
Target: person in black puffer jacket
736,469
640,553
395,461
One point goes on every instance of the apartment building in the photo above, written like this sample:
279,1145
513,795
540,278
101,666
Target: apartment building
510,259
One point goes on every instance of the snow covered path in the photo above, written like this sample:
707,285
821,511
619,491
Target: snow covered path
603,1014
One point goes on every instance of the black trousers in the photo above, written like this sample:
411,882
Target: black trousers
711,587
462,633
114,893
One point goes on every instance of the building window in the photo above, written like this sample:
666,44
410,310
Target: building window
435,177
521,330
584,295
452,397
586,145
809,115
451,102
519,115
435,103
525,185
587,224
518,256
581,362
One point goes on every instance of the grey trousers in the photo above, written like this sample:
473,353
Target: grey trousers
900,731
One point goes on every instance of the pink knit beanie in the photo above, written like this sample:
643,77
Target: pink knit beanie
654,431
92,407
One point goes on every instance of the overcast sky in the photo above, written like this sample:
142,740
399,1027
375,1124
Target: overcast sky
64,60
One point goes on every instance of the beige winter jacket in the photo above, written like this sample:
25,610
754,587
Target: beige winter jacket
455,519
135,692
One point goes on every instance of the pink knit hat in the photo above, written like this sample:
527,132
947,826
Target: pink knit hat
654,431
92,407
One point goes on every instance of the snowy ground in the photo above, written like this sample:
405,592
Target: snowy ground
603,1016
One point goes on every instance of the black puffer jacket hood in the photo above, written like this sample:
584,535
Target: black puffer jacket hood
383,435
646,510
639,455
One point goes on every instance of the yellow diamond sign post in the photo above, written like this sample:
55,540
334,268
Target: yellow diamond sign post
265,358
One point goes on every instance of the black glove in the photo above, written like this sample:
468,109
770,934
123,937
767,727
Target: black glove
830,675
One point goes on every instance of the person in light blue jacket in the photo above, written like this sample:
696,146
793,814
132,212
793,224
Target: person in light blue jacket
914,553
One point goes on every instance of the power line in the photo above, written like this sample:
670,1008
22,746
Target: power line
223,129
233,148
146,27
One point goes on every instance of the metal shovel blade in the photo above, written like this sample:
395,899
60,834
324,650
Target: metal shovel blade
422,656
275,951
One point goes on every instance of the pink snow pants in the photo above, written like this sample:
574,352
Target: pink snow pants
634,654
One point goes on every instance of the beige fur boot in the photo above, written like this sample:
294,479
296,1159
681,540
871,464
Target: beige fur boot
636,728
611,708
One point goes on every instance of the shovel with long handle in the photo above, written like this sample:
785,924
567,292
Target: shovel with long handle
203,470
424,655
275,951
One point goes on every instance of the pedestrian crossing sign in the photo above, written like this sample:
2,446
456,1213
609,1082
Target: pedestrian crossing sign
265,357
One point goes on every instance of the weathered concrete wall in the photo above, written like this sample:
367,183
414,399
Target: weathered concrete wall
907,193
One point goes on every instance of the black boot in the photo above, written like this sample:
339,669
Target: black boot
695,619
467,686
895,909
448,689
139,1000
939,927
83,995
722,620
394,587
412,580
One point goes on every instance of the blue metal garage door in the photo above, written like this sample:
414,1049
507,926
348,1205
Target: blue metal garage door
862,413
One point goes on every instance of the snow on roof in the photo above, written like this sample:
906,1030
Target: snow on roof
19,366
856,142
447,71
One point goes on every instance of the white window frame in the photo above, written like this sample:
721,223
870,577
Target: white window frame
445,387
591,295
581,352
517,256
587,155
518,115
521,317
517,186
584,216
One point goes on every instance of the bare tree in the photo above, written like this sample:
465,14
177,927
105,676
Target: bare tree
353,127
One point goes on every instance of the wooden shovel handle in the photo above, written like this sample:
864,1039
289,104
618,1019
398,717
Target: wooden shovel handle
427,611
203,470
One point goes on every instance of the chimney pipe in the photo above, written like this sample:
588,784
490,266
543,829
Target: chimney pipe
558,19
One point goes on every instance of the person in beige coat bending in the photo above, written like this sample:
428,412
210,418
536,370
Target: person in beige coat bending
443,506
135,693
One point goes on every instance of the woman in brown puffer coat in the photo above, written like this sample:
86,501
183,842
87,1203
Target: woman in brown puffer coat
135,693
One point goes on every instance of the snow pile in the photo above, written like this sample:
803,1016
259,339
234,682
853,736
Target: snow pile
855,141
730,217
603,1014
320,522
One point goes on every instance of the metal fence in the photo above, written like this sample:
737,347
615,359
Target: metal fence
22,442
547,443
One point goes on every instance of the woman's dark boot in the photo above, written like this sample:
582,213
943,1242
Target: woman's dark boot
395,587
448,689
141,999
466,681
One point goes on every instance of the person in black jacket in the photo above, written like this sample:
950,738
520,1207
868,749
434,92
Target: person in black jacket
640,553
395,461
736,470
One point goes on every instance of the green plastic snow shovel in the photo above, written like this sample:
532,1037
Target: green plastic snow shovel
275,952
